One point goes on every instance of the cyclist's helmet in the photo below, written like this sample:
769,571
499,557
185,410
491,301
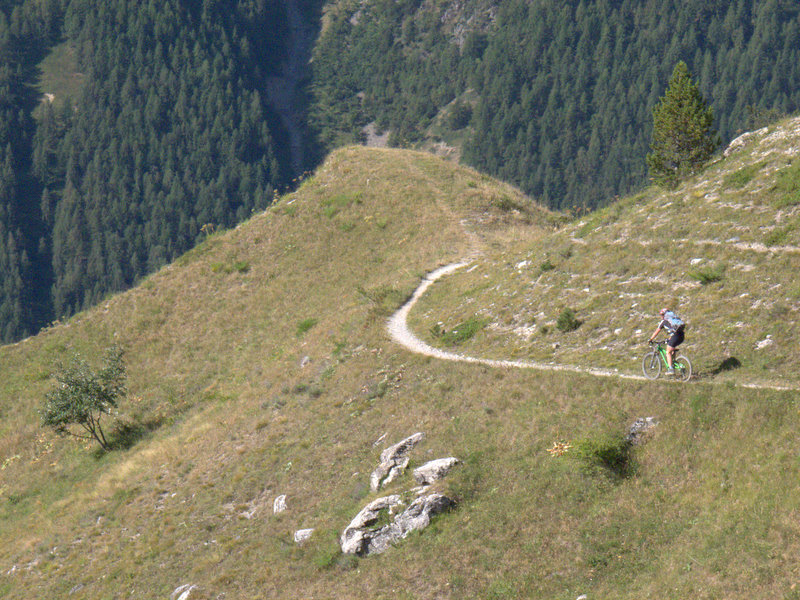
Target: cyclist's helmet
662,311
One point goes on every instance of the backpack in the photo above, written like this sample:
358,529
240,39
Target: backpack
674,320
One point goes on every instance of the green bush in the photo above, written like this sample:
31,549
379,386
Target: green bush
567,321
305,325
605,452
81,396
706,276
461,332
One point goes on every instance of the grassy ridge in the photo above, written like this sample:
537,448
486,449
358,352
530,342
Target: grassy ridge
723,251
259,365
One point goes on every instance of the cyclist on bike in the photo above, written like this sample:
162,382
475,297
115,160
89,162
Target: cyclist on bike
674,326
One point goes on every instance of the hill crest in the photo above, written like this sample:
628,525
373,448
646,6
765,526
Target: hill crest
260,365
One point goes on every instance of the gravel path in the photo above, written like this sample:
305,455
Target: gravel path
401,334
397,327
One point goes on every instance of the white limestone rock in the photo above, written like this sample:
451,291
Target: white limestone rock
182,592
434,470
394,460
362,537
301,535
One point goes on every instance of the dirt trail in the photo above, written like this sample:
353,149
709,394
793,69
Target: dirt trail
401,334
397,326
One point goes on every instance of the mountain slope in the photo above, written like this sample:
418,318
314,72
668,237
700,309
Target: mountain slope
723,251
260,365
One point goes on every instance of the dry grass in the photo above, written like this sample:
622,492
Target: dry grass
704,250
233,420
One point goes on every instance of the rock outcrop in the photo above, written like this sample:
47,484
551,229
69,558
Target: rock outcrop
741,141
366,536
394,460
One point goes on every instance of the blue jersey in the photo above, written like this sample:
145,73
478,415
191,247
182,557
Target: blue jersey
671,322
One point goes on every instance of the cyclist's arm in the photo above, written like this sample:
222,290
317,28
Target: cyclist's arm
655,333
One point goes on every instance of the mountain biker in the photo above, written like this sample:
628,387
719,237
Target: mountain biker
674,326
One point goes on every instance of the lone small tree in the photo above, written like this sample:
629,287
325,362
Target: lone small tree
82,396
683,140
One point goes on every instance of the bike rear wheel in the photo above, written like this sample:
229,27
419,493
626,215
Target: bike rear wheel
683,368
651,365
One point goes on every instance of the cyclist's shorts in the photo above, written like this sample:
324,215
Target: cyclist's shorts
676,339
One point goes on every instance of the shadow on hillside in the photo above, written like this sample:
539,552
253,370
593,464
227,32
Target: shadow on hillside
126,434
729,364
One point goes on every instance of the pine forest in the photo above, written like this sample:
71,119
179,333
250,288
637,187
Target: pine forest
131,130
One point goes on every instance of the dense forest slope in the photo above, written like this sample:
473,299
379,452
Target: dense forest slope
130,131
151,122
259,365
554,97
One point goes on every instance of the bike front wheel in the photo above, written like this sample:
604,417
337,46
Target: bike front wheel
651,365
683,368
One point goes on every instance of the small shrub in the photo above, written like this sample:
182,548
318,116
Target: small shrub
304,325
238,266
81,396
605,452
384,299
706,276
506,204
461,332
546,266
567,321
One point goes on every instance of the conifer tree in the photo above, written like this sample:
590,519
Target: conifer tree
683,139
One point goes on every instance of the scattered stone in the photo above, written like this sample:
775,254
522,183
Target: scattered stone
768,341
640,429
305,361
279,505
434,470
301,535
182,592
394,460
363,538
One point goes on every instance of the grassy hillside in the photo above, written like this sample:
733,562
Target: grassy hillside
723,251
259,365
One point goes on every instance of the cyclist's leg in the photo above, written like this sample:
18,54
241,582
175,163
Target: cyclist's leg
675,340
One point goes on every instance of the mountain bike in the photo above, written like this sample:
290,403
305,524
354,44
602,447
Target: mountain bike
656,359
